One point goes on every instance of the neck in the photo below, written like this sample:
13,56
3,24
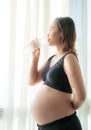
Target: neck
59,50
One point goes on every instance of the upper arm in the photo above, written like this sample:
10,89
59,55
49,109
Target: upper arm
40,70
39,74
73,72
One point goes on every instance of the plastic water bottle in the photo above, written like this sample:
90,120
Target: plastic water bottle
28,48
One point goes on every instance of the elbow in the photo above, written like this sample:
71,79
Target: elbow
78,101
31,83
83,97
81,100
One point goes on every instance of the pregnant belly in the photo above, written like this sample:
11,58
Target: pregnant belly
48,104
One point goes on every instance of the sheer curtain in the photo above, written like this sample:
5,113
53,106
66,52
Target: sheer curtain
20,22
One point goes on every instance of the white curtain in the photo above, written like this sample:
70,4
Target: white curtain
20,22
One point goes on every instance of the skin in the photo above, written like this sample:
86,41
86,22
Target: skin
49,104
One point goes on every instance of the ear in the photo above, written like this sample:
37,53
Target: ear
61,34
61,37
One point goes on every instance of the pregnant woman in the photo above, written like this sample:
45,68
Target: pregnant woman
62,92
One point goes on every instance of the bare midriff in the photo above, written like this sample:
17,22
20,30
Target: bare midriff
48,104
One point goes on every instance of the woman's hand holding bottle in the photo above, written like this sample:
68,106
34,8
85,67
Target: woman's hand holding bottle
34,47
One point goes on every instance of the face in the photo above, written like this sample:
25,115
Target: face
53,34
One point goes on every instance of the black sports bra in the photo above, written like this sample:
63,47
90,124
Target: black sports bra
55,76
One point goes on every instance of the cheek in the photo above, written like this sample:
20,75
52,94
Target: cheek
54,34
53,37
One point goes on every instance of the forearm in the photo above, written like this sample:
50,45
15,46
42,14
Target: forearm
33,71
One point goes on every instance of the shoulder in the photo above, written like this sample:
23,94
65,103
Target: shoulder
70,63
70,56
